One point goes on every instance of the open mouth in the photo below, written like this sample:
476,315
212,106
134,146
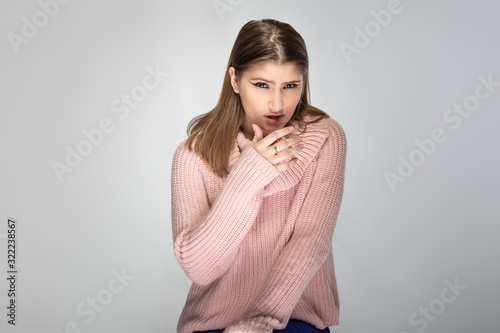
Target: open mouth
273,120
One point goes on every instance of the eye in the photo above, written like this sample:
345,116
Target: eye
260,84
290,85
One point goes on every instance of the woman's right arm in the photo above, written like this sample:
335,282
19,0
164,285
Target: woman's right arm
207,238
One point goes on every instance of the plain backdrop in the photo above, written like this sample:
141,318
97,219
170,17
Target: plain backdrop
416,244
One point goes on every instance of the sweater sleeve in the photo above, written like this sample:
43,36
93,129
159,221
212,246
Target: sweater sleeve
207,238
310,243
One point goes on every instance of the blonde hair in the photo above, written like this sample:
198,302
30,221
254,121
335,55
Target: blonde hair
214,132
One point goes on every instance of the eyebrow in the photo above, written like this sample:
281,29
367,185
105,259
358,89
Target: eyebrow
272,82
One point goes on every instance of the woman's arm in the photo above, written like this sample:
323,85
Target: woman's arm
206,239
310,243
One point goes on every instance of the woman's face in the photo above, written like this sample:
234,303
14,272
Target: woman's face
269,93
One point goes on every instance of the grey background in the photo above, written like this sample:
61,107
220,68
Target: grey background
394,250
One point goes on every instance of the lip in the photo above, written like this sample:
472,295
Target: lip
274,115
273,119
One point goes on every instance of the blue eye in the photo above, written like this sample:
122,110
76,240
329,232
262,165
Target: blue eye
260,84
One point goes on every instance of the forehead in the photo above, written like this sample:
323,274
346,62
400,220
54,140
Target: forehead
273,71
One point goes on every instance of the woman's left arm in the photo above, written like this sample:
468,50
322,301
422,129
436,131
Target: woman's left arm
310,243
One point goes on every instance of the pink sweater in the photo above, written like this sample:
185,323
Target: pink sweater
257,243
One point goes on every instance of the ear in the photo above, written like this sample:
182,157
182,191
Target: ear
234,81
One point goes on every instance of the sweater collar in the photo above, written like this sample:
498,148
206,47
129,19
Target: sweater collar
242,142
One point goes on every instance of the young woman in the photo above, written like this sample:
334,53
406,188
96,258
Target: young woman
256,189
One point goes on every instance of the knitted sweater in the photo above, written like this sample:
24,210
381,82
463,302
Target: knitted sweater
257,242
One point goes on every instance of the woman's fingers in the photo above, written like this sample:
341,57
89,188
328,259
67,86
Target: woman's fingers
258,135
262,144
285,154
286,143
275,135
277,152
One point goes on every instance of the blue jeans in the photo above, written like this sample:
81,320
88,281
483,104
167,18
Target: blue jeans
294,326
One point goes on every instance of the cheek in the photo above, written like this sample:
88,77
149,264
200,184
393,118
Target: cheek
252,101
292,100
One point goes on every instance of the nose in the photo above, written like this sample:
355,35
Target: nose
276,102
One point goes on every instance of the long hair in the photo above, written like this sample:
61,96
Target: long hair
214,132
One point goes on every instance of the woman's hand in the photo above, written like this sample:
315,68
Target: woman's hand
277,152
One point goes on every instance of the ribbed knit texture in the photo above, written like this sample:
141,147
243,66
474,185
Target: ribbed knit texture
257,243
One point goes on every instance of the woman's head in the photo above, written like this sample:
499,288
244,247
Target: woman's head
268,41
258,44
269,93
268,70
